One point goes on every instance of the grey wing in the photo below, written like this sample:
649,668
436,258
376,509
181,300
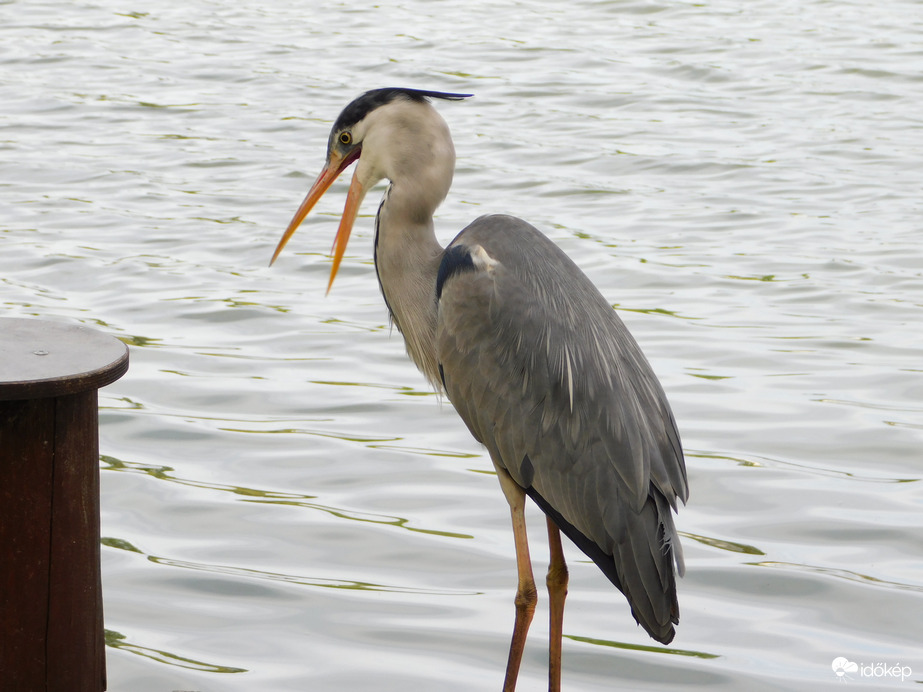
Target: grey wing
547,377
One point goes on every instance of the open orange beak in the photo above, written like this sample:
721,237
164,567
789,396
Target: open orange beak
335,165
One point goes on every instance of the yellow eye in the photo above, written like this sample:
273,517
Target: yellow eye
346,138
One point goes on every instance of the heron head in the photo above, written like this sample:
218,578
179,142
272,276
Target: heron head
344,146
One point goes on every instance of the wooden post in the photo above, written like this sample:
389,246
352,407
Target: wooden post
51,606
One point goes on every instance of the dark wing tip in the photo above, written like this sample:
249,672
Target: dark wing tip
643,574
665,636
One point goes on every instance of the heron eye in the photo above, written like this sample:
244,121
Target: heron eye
346,138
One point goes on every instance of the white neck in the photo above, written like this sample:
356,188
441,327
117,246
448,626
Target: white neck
408,143
407,257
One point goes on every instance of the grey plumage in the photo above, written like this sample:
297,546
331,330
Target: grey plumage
547,377
536,362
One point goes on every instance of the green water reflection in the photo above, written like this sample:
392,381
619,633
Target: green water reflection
165,473
641,647
322,582
117,640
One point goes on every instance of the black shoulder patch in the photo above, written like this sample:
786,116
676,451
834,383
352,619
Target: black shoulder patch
456,259
361,106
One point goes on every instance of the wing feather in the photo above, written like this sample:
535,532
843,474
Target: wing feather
548,378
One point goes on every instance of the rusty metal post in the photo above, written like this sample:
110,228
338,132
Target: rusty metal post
51,606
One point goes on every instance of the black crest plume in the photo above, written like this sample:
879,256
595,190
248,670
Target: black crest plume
376,98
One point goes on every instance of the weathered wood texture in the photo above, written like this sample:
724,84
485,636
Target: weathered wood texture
51,608
39,359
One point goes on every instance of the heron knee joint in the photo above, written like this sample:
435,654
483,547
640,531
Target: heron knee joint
526,597
557,576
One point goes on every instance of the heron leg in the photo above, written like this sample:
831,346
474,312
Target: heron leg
526,595
557,591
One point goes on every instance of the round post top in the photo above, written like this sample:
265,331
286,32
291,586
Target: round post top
48,359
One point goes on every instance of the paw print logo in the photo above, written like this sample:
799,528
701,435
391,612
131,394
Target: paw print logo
842,667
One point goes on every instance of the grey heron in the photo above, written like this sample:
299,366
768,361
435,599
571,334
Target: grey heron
534,359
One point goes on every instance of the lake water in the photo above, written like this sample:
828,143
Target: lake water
287,506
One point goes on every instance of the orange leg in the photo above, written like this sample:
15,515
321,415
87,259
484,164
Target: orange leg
526,595
557,591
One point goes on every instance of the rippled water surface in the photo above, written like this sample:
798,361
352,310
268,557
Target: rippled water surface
285,503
